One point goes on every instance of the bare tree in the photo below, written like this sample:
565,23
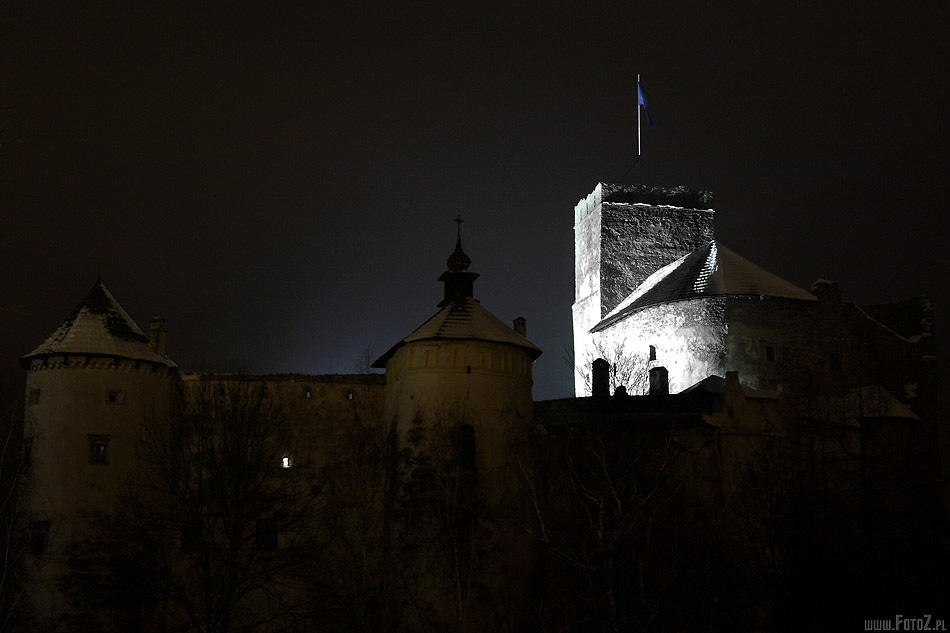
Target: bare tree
621,547
627,369
364,361
442,529
217,522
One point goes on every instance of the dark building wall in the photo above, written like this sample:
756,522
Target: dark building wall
826,347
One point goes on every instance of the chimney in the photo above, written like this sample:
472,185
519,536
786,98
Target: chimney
521,326
158,331
600,379
659,381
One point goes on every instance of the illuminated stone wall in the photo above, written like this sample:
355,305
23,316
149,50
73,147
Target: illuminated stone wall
622,234
688,338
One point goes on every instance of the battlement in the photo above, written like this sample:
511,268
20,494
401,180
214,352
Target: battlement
679,196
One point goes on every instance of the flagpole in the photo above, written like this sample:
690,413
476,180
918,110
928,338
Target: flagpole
638,117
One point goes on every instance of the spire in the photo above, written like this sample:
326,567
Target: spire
459,278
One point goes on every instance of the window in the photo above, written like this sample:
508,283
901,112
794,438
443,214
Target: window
653,352
286,462
769,352
467,447
34,396
266,537
39,536
116,397
307,393
99,449
349,395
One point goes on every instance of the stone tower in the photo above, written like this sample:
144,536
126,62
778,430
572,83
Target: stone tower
90,387
458,392
464,370
623,234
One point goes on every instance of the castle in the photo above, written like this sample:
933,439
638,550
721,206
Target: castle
732,352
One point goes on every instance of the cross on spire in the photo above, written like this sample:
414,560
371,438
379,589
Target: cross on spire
458,220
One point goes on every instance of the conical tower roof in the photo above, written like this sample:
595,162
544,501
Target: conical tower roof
98,327
462,317
464,320
710,270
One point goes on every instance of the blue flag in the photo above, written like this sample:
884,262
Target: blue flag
642,101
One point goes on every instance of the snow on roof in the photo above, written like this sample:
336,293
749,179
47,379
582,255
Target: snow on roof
464,319
710,270
98,326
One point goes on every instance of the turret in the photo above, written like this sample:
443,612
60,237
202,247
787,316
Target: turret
90,387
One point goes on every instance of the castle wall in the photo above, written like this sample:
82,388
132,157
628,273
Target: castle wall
72,402
324,411
826,347
448,383
622,234
688,338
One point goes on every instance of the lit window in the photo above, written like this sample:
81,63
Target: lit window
34,396
307,393
266,537
349,395
116,397
99,449
286,462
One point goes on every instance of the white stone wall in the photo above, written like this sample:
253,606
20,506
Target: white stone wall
689,338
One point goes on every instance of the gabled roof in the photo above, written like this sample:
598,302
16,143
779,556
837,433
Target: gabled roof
98,327
710,270
463,319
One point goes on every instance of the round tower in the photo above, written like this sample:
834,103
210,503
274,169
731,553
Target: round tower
89,389
462,378
458,392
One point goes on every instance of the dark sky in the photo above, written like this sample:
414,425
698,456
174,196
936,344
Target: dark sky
280,183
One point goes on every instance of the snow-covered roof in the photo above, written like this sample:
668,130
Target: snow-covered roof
710,270
98,326
464,319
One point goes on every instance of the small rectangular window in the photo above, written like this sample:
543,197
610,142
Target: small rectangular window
349,395
116,397
99,449
653,352
307,393
286,462
266,537
34,396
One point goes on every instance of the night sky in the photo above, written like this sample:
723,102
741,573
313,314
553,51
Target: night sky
280,183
